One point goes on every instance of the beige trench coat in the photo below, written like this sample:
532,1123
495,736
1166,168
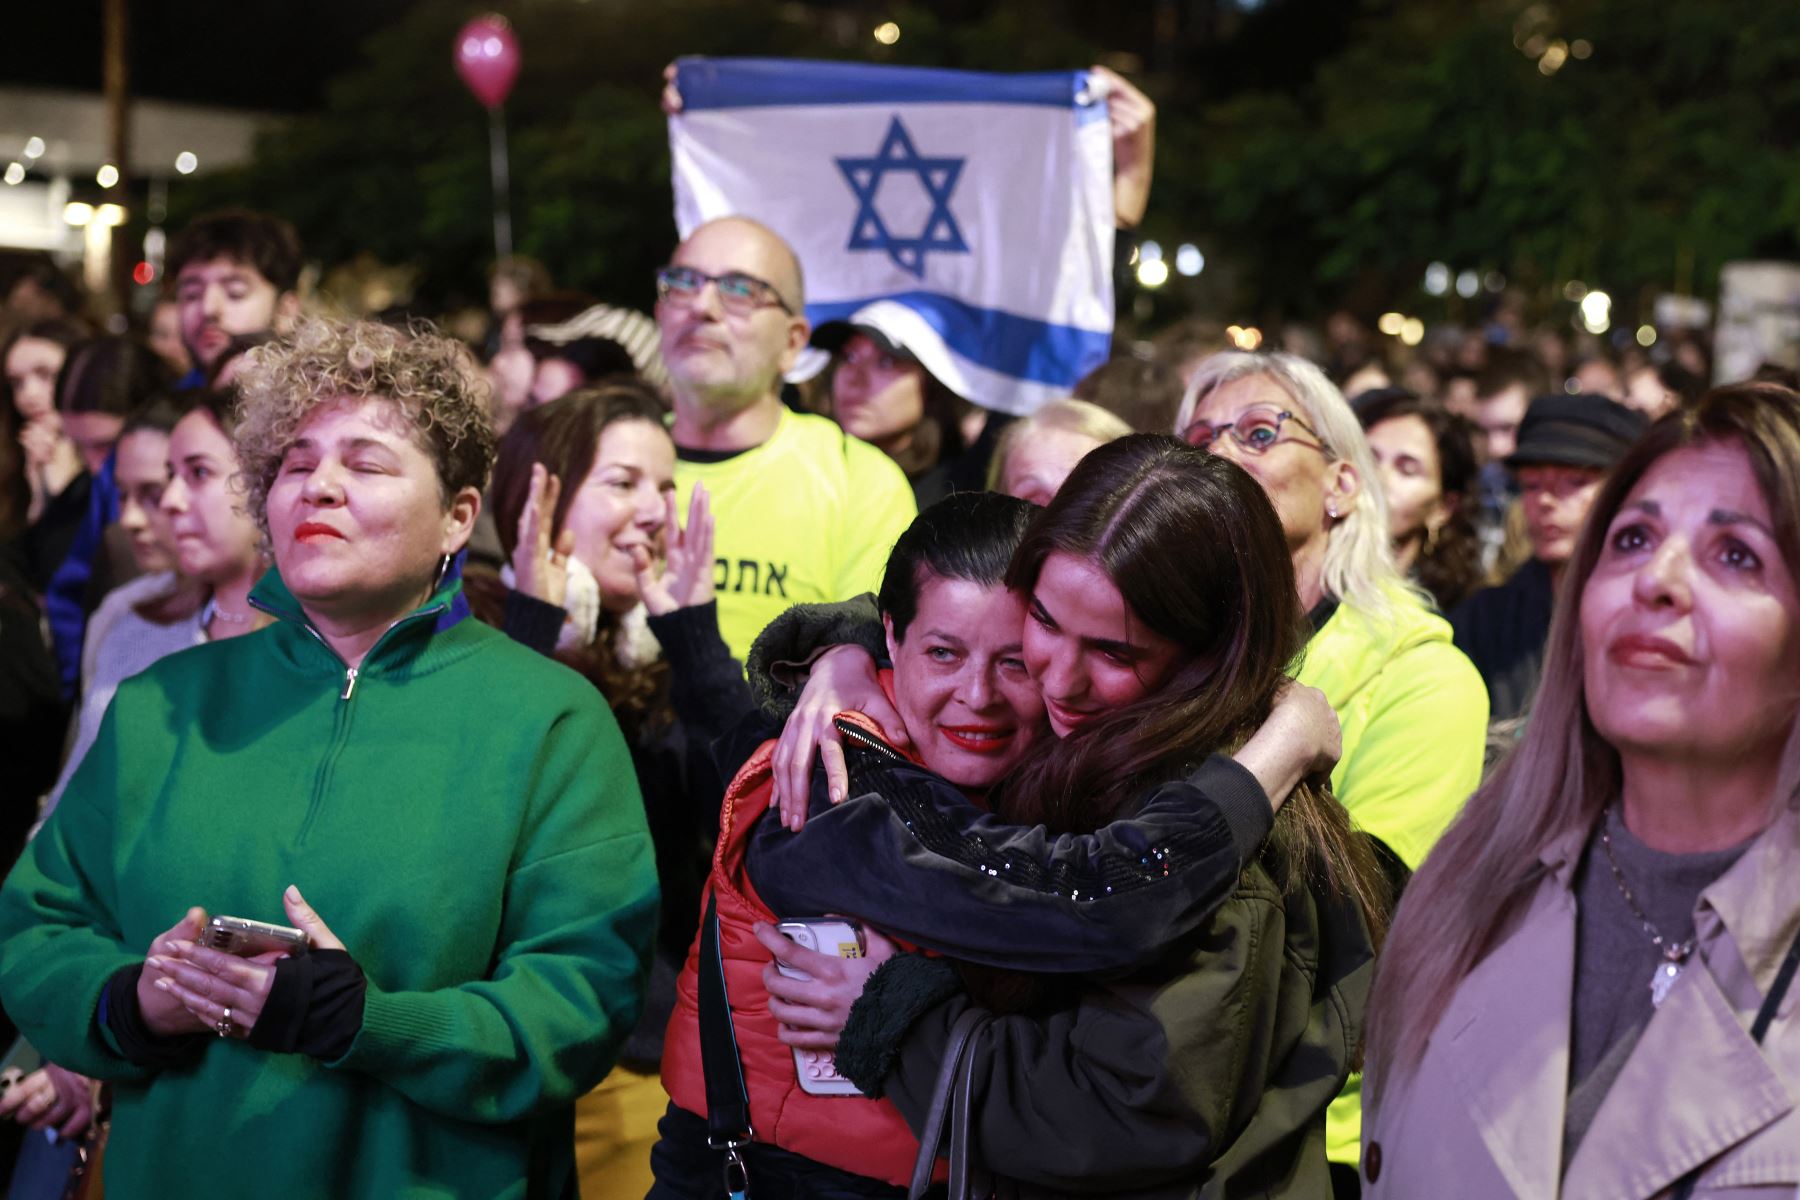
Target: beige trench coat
1483,1115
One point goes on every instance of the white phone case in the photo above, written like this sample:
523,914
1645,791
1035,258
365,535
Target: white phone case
817,1069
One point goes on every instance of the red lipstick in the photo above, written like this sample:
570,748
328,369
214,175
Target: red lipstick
979,739
309,530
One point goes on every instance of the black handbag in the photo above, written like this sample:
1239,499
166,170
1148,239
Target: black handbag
952,1110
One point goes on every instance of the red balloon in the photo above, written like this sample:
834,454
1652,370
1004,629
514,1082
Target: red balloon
487,58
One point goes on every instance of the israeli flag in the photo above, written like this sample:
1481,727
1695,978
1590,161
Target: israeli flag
982,202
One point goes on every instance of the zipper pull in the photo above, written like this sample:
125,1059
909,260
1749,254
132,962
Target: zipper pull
349,683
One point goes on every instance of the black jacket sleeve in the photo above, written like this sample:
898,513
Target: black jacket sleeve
706,684
781,652
917,860
531,622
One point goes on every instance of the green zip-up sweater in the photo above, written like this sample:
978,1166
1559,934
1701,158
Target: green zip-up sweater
460,811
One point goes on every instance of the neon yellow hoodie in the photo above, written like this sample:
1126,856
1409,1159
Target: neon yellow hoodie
1414,713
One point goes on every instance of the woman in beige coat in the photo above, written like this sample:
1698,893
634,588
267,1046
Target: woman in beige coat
1586,989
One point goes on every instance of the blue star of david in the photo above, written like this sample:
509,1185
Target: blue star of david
939,175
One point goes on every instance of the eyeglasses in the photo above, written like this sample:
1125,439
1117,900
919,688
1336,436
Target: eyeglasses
1256,431
739,294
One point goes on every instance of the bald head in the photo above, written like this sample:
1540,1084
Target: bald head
723,362
764,253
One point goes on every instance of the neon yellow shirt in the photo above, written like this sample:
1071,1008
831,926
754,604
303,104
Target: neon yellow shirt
810,515
1414,712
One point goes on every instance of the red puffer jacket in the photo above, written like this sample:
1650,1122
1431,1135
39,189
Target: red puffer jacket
862,1136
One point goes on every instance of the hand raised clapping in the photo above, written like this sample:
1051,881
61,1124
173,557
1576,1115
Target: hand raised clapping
685,577
540,568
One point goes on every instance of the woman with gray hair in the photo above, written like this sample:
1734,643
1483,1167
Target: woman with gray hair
1414,711
479,885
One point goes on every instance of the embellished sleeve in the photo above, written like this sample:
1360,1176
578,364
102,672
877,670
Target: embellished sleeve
918,860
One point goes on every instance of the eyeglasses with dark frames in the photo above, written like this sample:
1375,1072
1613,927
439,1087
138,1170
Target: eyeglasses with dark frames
1257,431
739,294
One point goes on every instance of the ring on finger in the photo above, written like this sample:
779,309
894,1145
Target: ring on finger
223,1026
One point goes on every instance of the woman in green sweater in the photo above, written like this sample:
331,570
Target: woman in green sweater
450,818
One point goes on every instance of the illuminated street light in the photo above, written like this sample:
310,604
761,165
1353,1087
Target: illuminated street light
1646,336
109,214
1152,251
1153,273
887,33
15,174
107,176
186,162
34,147
1412,332
1467,284
1390,323
77,213
1244,337
1437,279
1596,312
1189,260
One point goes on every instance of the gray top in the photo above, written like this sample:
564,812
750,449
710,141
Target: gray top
1615,959
120,643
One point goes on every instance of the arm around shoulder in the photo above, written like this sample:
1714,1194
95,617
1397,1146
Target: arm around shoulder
916,859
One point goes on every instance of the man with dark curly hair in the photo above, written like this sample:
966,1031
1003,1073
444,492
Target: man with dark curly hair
234,272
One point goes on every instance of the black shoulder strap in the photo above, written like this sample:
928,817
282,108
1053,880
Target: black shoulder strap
1765,1016
727,1099
1784,978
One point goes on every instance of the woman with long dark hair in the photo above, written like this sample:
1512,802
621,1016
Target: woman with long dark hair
602,577
1426,459
1148,662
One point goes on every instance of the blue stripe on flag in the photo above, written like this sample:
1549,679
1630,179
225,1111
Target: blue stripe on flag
1022,347
707,83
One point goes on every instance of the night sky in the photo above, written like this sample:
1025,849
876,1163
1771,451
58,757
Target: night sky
260,54
278,55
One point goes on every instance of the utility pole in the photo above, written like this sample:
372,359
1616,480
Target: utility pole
116,71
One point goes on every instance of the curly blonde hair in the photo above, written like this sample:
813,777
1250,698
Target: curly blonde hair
432,379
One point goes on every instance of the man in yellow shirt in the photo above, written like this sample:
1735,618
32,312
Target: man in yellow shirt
802,511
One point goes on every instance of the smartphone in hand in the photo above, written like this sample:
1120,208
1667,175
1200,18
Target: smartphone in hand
246,938
817,1069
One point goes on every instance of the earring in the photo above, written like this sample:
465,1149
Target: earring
1331,511
443,570
1431,537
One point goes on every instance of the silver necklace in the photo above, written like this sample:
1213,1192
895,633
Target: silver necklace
213,612
1675,954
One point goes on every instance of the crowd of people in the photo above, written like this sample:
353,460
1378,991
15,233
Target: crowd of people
1329,770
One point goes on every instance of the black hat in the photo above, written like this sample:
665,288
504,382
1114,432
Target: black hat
1576,431
832,336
